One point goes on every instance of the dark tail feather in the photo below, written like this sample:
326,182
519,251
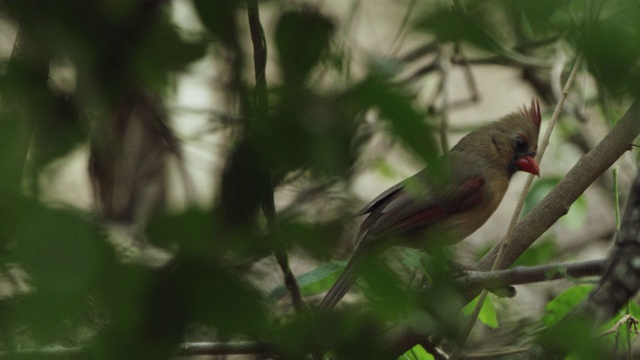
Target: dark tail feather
343,284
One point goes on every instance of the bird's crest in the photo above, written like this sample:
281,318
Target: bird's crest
533,113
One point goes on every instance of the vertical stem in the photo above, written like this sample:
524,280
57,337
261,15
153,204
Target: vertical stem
261,107
259,60
444,62
616,199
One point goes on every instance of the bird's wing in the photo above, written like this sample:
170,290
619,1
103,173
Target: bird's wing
381,199
411,204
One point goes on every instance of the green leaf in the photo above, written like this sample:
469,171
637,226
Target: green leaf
541,252
618,339
301,38
220,18
416,353
316,239
66,259
196,289
539,190
313,282
577,214
612,48
397,107
383,168
192,230
153,62
456,25
557,308
634,309
487,313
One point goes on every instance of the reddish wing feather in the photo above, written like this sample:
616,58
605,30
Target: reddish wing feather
473,190
427,216
400,211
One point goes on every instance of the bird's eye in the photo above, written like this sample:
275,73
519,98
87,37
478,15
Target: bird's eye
521,143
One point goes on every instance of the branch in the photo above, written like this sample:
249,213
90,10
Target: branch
557,202
262,108
48,353
632,322
617,286
185,349
222,348
476,280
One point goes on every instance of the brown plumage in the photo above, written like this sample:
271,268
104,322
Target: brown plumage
450,199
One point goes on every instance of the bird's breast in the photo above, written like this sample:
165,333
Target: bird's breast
460,225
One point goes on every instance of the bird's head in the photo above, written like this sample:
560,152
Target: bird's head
523,128
510,143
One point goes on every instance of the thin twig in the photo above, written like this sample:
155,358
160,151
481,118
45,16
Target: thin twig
396,43
526,275
494,354
262,106
48,353
616,199
185,349
444,63
626,318
468,74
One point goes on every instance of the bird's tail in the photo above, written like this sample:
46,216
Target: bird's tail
343,284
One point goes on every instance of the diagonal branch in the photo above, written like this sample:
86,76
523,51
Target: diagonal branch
557,202
617,286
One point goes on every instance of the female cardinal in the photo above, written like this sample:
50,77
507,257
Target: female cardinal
450,199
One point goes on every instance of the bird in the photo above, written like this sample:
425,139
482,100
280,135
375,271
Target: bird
451,198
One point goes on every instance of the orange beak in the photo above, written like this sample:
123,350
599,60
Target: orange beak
528,164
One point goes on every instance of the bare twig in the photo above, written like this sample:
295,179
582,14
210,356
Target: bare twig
262,105
48,353
185,349
222,348
404,338
468,74
495,354
527,275
398,38
444,63
633,322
